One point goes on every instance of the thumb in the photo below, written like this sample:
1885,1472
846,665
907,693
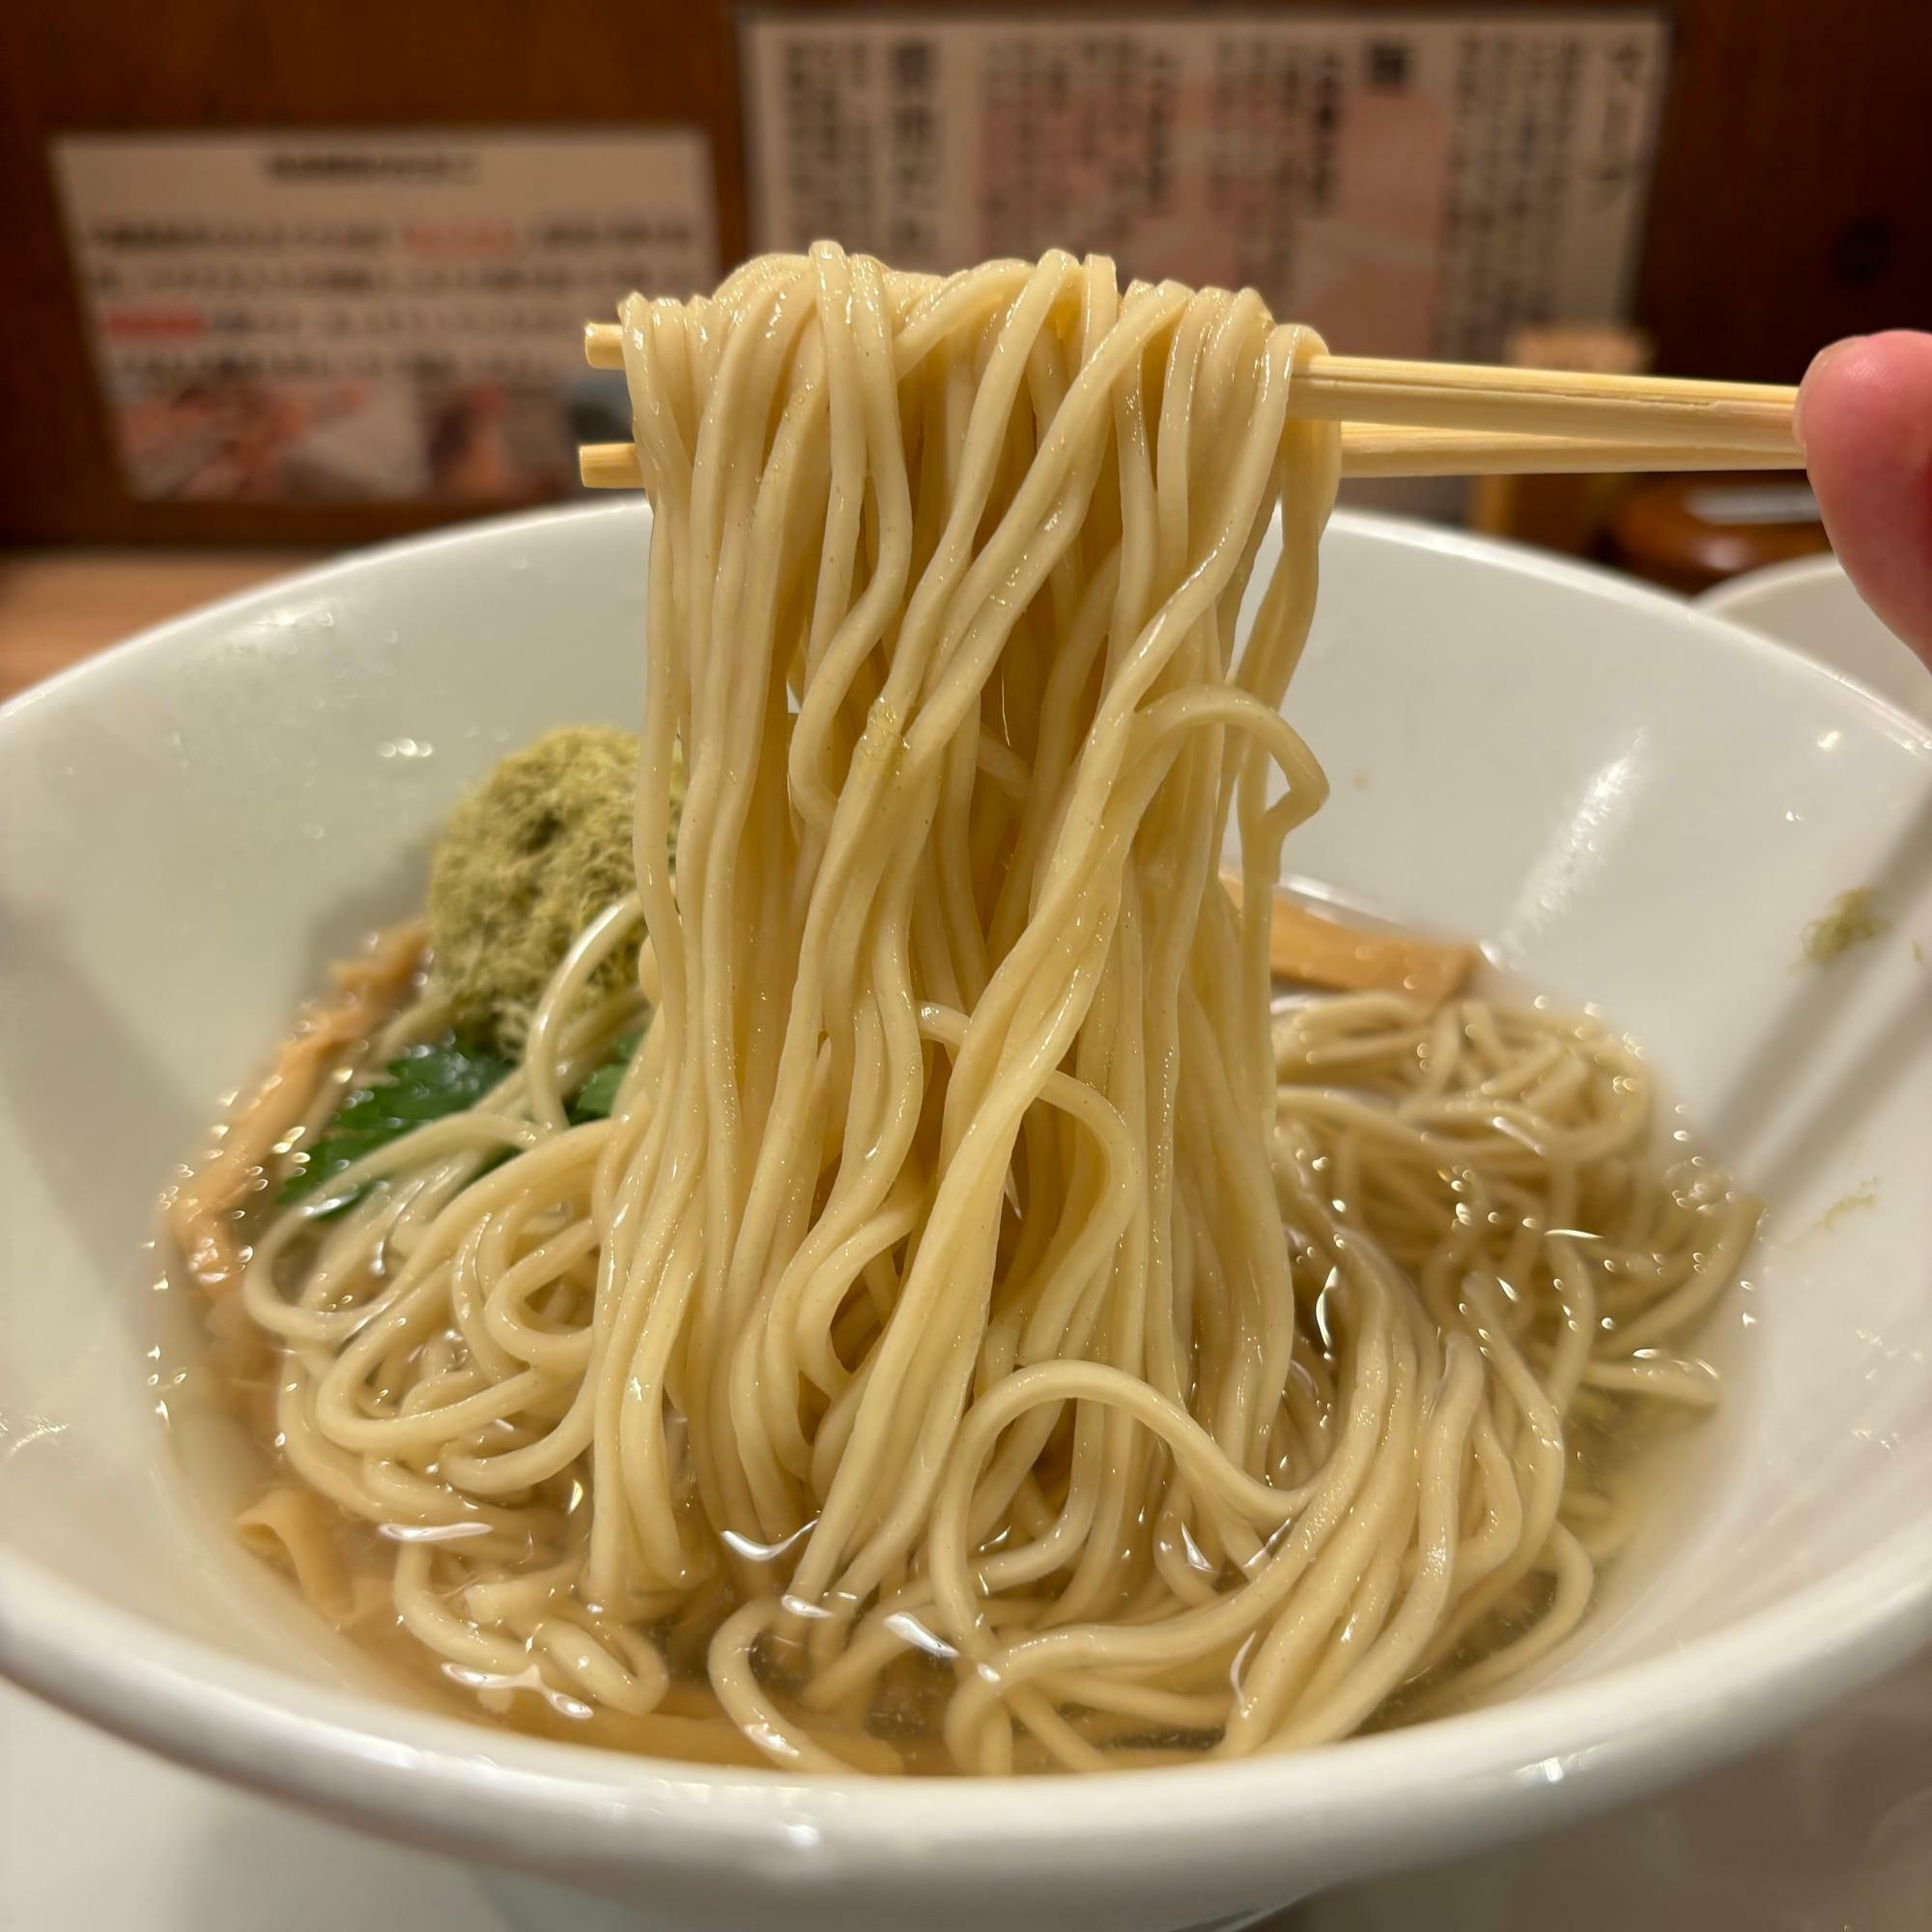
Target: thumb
1864,421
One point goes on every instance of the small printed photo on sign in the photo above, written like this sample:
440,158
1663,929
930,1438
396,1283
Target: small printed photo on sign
367,318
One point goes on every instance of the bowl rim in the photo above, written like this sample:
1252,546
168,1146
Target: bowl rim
395,1768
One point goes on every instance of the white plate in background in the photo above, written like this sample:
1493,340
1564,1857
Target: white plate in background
1810,605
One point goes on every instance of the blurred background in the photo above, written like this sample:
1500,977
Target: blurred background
287,278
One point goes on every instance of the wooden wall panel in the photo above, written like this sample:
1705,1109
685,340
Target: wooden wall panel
1792,201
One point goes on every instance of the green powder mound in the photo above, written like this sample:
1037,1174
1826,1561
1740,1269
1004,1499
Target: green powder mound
526,862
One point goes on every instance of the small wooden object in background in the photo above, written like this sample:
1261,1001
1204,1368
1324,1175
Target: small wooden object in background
1561,513
1691,533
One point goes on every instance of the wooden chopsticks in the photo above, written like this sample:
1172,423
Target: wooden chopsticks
1657,410
1466,419
1372,451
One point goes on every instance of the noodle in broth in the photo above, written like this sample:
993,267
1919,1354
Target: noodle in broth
987,1334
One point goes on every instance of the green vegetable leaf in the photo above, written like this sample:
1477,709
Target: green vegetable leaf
599,1094
426,1083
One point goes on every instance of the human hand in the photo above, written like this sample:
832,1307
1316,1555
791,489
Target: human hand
1864,421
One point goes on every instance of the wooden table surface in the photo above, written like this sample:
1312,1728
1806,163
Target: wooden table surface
58,607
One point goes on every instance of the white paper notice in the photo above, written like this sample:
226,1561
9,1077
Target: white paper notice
1412,184
366,316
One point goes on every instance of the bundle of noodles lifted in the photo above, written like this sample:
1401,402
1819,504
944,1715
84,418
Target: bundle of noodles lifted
939,1303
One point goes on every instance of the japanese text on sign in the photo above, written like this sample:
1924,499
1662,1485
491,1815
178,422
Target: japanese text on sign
1410,184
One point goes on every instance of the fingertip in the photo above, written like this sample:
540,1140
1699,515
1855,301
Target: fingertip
1867,382
1818,377
1865,422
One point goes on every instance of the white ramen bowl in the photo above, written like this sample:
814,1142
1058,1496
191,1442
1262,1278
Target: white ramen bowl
1627,800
